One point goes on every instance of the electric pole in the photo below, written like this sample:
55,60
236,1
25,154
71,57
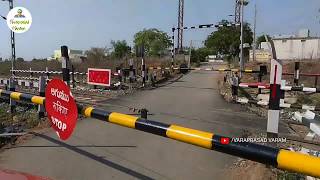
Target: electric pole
189,60
241,39
254,33
180,26
13,43
237,12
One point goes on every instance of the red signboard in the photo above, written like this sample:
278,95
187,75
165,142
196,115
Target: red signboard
61,108
100,77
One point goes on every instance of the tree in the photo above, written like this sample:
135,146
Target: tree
120,48
95,55
199,55
262,39
20,59
155,42
226,40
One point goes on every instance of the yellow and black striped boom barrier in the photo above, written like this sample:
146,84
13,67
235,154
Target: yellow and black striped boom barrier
279,158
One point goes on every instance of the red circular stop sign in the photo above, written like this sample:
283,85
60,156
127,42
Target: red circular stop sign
61,108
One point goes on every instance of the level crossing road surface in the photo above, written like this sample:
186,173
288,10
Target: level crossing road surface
99,150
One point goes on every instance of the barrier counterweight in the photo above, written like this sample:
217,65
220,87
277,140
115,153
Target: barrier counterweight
279,158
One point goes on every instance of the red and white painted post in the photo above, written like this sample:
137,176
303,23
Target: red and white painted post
274,100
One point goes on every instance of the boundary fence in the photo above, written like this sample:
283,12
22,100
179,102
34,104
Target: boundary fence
277,93
297,75
277,157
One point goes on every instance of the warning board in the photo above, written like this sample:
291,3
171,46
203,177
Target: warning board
101,77
61,108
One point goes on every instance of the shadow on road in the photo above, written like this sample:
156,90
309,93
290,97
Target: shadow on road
191,87
94,157
78,146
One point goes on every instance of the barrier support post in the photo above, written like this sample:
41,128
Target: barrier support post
274,100
259,80
65,64
316,82
282,92
144,113
143,73
72,76
42,87
131,73
12,102
296,73
47,73
172,50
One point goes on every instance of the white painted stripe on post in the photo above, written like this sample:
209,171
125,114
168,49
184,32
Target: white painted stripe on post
306,89
273,121
263,103
243,85
285,105
286,88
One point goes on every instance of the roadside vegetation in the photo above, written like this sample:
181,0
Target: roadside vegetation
25,118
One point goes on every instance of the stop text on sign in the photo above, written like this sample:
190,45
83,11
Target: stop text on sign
61,108
62,126
101,77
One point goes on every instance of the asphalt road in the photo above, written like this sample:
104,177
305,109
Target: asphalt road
98,150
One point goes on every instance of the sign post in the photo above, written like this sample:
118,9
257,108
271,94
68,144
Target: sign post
65,64
61,108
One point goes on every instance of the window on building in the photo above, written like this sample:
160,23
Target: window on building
303,40
284,40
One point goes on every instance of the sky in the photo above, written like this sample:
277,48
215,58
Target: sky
82,24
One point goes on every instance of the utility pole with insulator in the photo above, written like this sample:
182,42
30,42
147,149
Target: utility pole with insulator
237,12
180,26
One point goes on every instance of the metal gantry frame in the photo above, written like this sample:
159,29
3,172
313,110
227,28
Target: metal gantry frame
237,11
201,26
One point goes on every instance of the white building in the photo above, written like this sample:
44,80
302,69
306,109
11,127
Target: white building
75,56
297,48
293,47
